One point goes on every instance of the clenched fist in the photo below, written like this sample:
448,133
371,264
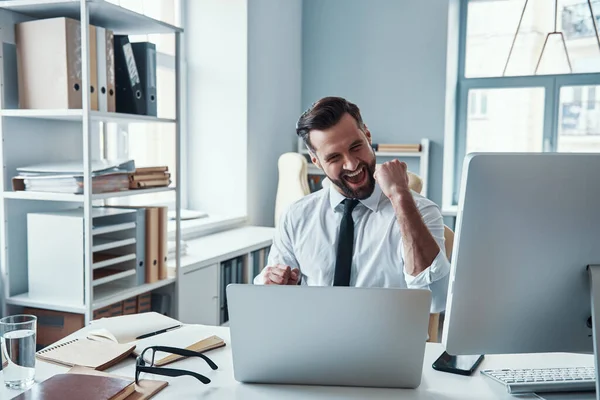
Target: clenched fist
280,274
392,178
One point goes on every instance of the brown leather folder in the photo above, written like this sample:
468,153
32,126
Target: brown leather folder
78,387
146,389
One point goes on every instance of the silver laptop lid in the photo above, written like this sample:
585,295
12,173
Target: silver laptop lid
341,336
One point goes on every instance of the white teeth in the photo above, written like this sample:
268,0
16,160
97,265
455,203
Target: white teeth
352,175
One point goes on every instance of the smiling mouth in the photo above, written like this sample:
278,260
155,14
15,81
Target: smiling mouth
356,177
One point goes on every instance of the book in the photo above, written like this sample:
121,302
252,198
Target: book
67,177
144,390
179,338
86,353
147,170
149,177
127,329
79,386
99,167
409,148
149,183
70,183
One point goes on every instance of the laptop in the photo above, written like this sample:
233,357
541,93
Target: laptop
341,336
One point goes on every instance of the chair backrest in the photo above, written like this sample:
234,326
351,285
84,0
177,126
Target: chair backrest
292,184
415,183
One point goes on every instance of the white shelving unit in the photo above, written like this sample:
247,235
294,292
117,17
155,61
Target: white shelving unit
382,156
77,115
36,136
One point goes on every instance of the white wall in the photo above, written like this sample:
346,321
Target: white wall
274,94
390,58
254,65
243,98
217,91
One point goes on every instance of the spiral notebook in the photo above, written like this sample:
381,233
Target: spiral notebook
86,353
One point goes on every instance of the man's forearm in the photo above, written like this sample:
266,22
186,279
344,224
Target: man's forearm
420,248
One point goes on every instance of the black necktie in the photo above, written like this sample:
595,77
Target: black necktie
343,262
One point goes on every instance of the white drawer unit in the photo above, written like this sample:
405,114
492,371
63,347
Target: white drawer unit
200,295
55,251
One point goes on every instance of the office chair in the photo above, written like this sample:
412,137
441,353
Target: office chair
416,184
293,181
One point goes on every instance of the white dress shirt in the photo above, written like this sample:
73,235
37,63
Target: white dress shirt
307,239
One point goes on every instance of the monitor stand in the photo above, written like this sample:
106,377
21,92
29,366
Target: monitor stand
594,273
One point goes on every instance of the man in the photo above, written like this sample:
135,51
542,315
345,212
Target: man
368,229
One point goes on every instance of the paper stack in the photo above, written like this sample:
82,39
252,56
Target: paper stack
149,177
171,249
67,177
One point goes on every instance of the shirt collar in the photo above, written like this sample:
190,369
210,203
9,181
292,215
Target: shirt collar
371,202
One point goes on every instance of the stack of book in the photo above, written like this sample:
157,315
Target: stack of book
398,148
67,177
171,251
149,177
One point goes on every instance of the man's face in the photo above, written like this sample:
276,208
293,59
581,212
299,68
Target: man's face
344,153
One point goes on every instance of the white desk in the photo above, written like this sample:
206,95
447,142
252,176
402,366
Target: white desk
435,385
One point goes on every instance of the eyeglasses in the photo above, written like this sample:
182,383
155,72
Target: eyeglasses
140,364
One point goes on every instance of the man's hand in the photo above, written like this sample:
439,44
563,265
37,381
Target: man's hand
392,178
280,274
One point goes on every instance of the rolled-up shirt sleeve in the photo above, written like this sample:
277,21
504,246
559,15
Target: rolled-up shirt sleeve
281,251
434,277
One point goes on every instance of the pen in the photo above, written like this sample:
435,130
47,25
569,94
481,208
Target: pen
146,335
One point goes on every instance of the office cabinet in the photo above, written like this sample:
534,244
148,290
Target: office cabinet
200,295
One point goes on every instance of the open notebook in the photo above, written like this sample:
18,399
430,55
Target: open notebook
86,353
127,329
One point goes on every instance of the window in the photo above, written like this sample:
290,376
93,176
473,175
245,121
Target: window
515,128
591,100
579,127
154,143
528,76
477,104
514,38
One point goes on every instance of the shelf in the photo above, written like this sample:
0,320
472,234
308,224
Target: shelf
101,244
131,192
399,154
102,229
387,154
314,170
218,247
108,294
47,303
108,260
107,276
48,196
76,115
102,13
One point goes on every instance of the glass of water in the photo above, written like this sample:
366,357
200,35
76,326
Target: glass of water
17,344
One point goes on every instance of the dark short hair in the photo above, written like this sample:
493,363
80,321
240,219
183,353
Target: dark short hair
324,114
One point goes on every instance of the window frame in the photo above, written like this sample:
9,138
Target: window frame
456,139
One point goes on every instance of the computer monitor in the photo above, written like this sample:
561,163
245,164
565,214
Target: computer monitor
528,226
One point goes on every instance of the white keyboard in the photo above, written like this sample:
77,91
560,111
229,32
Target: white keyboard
517,381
